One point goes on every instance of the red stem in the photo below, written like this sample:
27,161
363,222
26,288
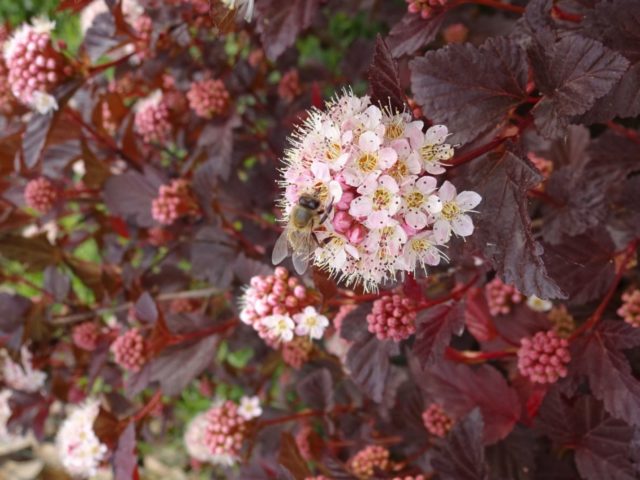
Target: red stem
105,66
626,132
150,405
455,294
557,12
597,315
304,414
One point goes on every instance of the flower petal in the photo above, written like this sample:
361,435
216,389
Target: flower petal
360,207
426,184
462,225
416,219
387,157
369,142
436,135
441,231
447,191
468,200
433,204
388,183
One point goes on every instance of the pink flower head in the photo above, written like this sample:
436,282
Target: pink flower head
453,215
208,98
501,297
424,8
544,357
296,352
630,309
151,119
377,203
224,433
41,194
392,317
365,463
85,336
174,201
129,350
436,421
430,148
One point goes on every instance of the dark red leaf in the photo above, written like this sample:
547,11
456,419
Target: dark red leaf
125,460
211,255
434,328
484,82
316,389
13,308
35,253
413,32
130,195
477,317
384,81
368,361
291,458
461,457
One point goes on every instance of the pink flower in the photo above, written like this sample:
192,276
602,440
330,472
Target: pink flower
501,297
224,433
85,336
630,309
418,203
296,352
364,463
151,119
453,216
392,317
436,421
421,250
310,323
430,148
378,201
208,98
544,357
129,350
174,201
41,194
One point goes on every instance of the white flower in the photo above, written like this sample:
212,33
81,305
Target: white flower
418,201
43,103
79,449
194,439
22,377
249,408
279,326
430,147
378,201
43,25
453,214
539,305
422,250
151,100
310,322
244,7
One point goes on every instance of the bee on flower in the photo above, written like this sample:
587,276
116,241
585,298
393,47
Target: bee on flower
361,198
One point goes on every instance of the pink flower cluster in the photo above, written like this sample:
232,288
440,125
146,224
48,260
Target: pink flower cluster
129,350
393,317
208,98
424,7
225,432
35,66
372,172
289,86
436,421
41,194
365,463
151,119
544,357
85,336
630,309
501,297
174,201
143,26
296,352
268,295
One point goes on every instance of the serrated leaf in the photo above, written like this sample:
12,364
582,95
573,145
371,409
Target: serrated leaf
291,458
484,82
503,229
125,460
572,74
434,328
384,81
368,361
462,388
413,32
461,457
211,253
130,195
102,36
280,21
316,389
599,357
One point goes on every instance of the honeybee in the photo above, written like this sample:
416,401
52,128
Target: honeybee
306,215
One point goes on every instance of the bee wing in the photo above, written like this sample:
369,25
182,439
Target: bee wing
303,250
280,249
300,262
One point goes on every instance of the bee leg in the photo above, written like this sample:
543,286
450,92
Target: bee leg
315,237
326,213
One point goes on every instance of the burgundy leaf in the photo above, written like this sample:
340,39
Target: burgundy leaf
368,361
484,82
14,308
316,389
513,458
57,283
462,388
413,32
477,317
572,74
504,226
291,458
280,22
211,255
130,195
125,460
146,308
35,137
384,80
599,357
461,457
35,253
434,328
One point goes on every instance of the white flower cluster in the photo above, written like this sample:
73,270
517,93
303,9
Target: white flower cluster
306,323
375,170
22,377
79,449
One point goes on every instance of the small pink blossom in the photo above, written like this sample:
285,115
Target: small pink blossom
436,421
453,215
630,309
41,194
544,357
129,350
365,463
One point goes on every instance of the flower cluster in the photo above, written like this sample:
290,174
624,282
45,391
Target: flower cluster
41,194
35,66
224,433
194,439
208,98
296,352
22,376
436,421
85,336
151,119
630,309
277,306
501,297
174,201
129,350
289,86
393,317
365,463
544,357
371,170
79,449
424,7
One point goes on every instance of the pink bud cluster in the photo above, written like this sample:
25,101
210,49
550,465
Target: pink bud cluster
174,201
85,336
208,98
143,26
277,294
151,119
130,350
544,357
436,421
289,86
35,66
365,463
296,352
6,96
225,432
41,194
424,7
630,308
501,297
393,317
